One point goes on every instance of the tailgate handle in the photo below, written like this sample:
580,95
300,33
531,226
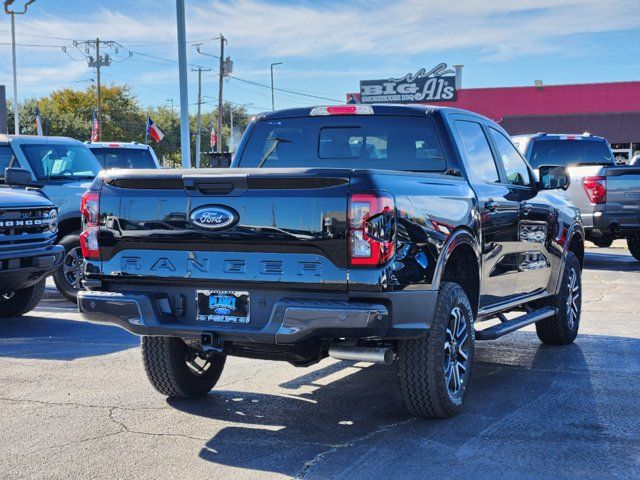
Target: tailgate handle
216,188
226,185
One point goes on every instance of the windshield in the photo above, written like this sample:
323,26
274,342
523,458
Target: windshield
60,161
570,152
124,157
377,142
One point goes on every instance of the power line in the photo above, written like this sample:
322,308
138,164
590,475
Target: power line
283,89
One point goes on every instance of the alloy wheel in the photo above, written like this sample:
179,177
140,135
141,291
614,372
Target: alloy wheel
456,348
573,294
72,268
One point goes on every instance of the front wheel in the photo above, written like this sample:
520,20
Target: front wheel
179,371
562,328
21,301
633,242
68,277
434,370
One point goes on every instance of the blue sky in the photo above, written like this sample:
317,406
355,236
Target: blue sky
326,46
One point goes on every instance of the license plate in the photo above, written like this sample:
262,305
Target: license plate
222,306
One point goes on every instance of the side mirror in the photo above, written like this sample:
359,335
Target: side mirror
553,177
17,176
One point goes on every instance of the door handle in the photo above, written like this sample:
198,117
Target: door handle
526,208
491,205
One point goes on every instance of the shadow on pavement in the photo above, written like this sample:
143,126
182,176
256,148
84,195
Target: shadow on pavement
530,412
610,261
55,339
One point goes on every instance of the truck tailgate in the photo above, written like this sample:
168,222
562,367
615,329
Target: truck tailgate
289,225
623,188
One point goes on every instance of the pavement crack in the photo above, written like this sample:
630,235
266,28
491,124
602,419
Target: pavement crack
334,448
127,429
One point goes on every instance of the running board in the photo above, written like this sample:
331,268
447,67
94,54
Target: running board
509,326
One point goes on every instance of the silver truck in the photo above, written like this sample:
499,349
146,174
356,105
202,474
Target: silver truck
607,195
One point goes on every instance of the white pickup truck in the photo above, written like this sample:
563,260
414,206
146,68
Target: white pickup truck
607,195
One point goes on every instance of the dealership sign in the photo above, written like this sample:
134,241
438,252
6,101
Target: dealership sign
435,85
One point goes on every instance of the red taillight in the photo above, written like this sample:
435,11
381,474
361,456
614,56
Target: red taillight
90,210
595,188
371,229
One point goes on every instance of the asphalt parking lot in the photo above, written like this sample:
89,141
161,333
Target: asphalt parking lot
75,403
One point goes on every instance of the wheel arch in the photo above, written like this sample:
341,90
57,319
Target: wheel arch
68,226
459,261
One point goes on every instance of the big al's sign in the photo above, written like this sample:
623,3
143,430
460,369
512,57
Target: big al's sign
435,85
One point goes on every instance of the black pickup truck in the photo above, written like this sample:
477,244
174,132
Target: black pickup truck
28,230
365,233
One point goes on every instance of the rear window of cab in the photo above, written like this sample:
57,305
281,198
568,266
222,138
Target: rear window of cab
377,142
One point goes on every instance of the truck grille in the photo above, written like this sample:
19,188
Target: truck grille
27,227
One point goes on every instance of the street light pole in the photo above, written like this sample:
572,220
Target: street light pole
273,101
185,140
13,13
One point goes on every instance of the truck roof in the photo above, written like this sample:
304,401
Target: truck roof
4,138
561,136
413,110
131,145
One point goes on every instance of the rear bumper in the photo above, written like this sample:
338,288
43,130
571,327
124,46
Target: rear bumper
291,320
22,269
616,222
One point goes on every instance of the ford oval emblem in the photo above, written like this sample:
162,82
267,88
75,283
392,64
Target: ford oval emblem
213,217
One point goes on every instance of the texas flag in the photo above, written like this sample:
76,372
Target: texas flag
213,140
154,131
38,122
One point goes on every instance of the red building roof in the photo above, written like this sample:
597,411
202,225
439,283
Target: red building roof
496,103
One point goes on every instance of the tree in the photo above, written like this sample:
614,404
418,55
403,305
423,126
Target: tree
67,113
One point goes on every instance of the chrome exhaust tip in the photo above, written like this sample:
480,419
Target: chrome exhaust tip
381,355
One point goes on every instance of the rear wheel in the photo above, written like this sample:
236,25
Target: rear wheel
633,242
21,301
603,242
562,328
68,278
179,371
434,370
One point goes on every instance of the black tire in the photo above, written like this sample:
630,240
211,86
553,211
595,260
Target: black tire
633,242
21,301
603,242
562,328
168,362
67,278
423,363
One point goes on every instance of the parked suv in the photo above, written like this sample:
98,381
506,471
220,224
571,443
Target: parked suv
63,168
124,154
377,233
607,195
28,229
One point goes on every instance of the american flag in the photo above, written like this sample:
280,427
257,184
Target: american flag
94,126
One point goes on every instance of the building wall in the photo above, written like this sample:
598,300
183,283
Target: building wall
496,103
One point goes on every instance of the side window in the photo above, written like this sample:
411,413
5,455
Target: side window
514,165
6,154
481,164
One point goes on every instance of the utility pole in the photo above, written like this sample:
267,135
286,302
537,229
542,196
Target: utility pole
98,62
185,140
13,13
221,77
273,100
199,118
